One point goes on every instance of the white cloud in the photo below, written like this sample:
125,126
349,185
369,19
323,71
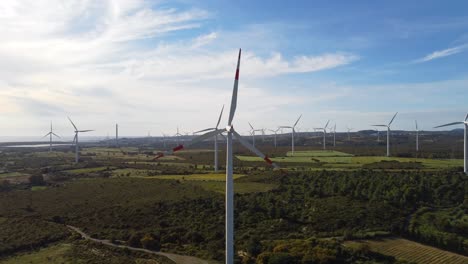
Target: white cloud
443,53
108,61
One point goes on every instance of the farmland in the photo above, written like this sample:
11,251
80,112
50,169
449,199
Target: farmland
177,203
404,249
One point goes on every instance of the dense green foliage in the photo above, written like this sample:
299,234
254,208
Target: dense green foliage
311,251
17,234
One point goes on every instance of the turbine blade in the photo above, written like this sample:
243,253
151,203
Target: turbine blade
46,135
251,126
246,144
55,135
327,124
74,138
416,122
234,92
378,126
466,117
450,124
204,130
285,127
72,123
193,141
392,119
85,130
220,115
297,121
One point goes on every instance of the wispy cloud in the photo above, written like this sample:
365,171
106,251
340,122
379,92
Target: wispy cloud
442,53
124,61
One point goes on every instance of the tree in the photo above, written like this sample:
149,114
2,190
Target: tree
254,246
150,242
36,180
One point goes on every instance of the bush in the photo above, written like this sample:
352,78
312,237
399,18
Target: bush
36,180
149,242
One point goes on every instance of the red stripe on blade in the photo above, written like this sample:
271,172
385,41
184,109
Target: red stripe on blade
160,155
268,160
178,148
237,74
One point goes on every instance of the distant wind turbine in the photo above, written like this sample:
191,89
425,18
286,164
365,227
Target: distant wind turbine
378,135
117,135
388,133
50,134
349,130
292,134
465,142
324,130
252,133
215,139
275,132
178,135
229,165
417,135
75,140
334,135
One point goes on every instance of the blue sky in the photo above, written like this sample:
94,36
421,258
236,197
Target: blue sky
156,65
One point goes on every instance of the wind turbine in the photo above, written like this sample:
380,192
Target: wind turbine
334,135
465,147
292,134
117,135
75,139
252,133
378,135
417,135
324,129
388,133
349,130
215,139
229,165
275,132
164,139
50,134
177,135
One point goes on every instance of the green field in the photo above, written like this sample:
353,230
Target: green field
410,251
324,159
318,153
54,255
13,174
86,170
239,187
199,177
38,188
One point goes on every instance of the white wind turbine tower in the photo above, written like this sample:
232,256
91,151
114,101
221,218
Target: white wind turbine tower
292,134
164,140
117,135
388,133
252,133
465,142
417,135
334,135
275,132
50,134
215,139
349,130
178,135
229,165
324,130
75,139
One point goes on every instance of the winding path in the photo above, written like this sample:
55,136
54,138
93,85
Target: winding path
179,259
